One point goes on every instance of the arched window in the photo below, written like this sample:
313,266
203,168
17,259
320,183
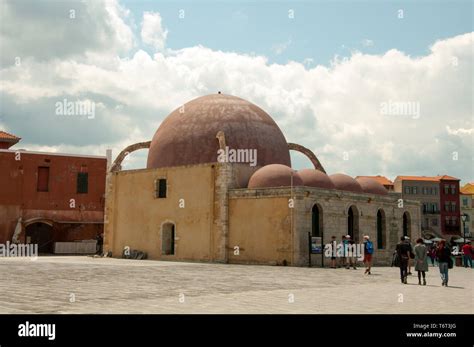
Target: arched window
381,229
353,223
167,239
406,224
317,221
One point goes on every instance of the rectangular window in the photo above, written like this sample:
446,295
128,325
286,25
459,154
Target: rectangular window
446,206
407,190
43,179
464,201
82,182
160,189
446,189
434,221
415,190
453,189
435,207
454,206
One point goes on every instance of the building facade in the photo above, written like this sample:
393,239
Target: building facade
439,198
47,198
190,205
467,208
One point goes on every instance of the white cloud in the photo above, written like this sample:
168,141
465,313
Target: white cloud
152,31
330,109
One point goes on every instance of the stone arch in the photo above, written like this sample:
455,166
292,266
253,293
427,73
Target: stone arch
117,165
308,153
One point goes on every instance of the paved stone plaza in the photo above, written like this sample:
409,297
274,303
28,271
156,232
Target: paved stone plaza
103,285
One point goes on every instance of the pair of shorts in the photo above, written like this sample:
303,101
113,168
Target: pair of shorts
367,257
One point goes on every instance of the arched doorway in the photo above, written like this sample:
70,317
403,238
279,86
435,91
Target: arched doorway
167,239
41,234
381,229
406,224
317,221
353,223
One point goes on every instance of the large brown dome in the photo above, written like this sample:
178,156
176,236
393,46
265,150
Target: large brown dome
188,135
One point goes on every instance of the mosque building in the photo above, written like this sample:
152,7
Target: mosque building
219,187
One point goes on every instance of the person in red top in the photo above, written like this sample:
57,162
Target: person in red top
467,254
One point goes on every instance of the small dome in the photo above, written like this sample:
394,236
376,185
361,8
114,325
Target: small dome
315,178
369,185
274,175
345,182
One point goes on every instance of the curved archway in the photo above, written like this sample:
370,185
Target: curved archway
381,229
307,152
41,234
117,165
353,223
406,224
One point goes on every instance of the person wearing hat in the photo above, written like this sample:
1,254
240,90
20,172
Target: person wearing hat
368,251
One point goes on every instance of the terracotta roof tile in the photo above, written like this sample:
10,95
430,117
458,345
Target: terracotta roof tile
6,136
426,178
468,188
381,179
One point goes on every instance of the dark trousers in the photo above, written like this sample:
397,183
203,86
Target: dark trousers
403,267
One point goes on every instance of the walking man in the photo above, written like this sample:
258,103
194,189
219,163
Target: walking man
403,253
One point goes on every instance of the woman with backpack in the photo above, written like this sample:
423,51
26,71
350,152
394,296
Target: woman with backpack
421,260
443,255
368,251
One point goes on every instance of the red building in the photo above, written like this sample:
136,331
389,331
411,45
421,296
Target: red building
49,197
439,195
450,204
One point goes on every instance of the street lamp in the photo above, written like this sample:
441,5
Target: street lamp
464,217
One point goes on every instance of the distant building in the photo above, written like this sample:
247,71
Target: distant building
467,207
49,197
439,197
388,184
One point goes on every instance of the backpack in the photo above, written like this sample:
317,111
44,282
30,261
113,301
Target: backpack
369,247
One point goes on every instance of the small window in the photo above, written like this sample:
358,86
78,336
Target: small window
160,189
464,201
82,182
434,221
446,189
453,189
414,190
407,190
43,179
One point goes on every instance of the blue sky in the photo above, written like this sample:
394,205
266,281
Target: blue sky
138,61
320,30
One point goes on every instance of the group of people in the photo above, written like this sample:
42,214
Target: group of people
404,253
349,258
